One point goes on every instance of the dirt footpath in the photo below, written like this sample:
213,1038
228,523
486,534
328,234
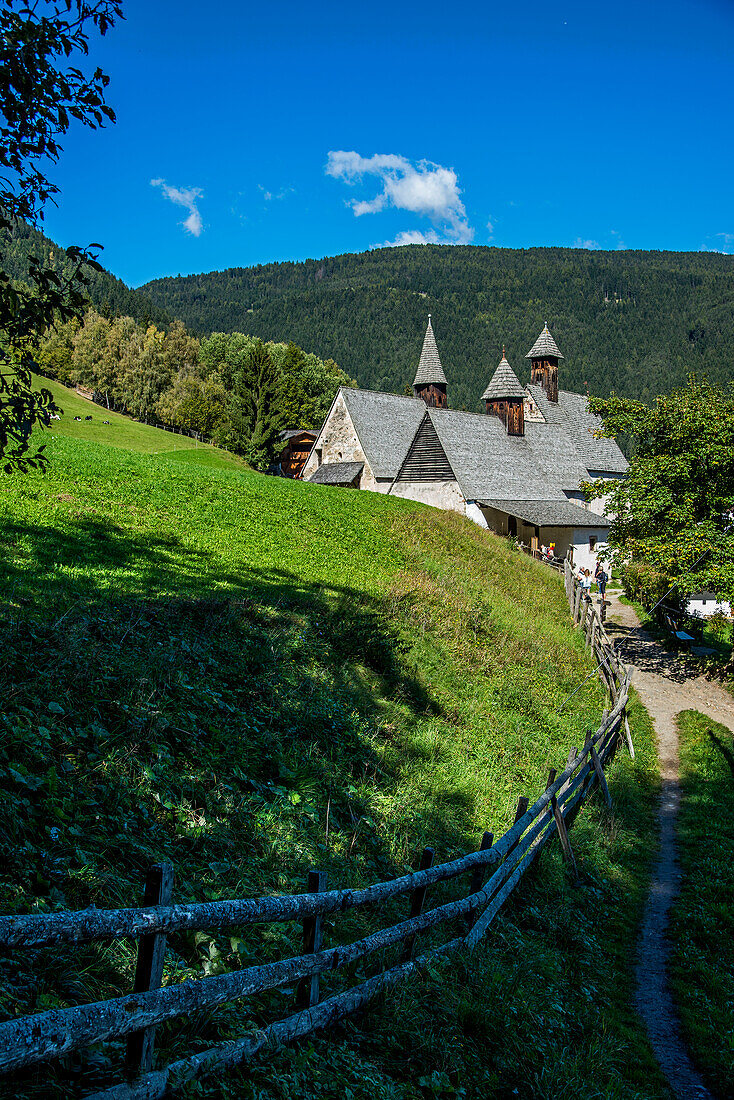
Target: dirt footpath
667,684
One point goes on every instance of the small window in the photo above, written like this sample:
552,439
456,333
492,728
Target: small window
318,454
592,542
703,602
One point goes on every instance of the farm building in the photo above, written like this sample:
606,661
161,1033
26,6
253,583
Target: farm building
705,604
516,468
298,444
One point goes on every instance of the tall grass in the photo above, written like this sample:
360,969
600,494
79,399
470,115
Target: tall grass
249,677
702,923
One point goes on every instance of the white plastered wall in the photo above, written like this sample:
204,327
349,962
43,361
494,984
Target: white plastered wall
439,494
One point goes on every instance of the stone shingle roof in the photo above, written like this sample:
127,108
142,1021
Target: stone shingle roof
504,383
549,513
385,425
429,366
337,473
544,346
571,415
490,463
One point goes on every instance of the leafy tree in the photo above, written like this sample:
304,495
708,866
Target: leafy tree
196,403
41,92
671,507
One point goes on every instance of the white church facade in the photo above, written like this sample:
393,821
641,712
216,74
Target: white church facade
516,469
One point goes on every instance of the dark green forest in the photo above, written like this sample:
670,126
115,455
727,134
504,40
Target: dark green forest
110,296
635,322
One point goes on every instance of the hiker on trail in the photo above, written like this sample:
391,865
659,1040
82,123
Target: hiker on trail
586,583
601,581
551,552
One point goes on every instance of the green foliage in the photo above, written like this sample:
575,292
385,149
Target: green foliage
197,663
41,92
671,506
107,294
635,322
702,922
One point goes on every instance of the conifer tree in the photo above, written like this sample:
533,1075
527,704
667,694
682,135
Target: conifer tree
266,411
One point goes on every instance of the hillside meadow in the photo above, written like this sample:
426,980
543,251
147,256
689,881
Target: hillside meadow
250,677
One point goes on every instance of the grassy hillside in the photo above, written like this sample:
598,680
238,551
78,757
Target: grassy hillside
702,925
636,322
116,430
207,666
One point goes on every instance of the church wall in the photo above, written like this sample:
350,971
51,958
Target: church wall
338,442
583,556
439,494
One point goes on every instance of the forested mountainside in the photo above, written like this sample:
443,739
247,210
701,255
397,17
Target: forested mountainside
110,296
636,322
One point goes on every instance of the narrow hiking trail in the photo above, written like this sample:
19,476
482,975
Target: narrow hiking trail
667,684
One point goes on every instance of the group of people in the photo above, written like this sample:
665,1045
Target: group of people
548,553
600,578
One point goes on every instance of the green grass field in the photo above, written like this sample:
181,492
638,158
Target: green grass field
702,926
203,665
124,432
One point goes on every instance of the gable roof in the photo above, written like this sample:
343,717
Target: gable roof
571,415
429,366
426,459
544,346
385,425
504,383
489,463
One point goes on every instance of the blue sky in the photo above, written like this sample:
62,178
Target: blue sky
250,133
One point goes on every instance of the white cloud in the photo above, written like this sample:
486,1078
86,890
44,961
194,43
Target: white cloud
268,196
581,243
185,197
412,236
423,188
490,230
718,242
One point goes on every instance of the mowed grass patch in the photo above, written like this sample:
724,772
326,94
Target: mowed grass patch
116,430
702,923
249,677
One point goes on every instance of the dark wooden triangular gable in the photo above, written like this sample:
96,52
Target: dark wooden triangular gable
426,459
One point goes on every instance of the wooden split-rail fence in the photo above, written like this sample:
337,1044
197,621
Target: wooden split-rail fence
490,875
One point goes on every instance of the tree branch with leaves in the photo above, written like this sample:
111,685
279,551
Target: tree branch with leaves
41,94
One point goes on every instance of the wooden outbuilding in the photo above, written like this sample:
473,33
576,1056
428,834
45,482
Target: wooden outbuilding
297,449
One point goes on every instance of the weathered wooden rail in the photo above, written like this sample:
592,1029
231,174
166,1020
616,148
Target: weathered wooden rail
495,870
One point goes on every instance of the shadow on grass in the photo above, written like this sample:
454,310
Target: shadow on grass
156,707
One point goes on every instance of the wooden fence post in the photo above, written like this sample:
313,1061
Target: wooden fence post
576,604
561,825
149,967
478,875
417,898
307,993
600,774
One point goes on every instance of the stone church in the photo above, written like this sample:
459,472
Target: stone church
515,469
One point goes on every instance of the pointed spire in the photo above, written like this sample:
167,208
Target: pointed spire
544,347
504,383
429,370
